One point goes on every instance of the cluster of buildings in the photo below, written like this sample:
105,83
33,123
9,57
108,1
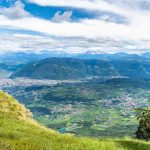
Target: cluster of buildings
24,82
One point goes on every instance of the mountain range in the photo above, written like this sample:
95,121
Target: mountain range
73,68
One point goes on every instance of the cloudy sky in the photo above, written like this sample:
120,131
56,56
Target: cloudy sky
75,25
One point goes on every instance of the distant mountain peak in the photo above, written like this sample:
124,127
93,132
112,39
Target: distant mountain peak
94,52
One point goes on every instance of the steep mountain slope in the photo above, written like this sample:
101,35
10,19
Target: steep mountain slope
7,69
69,68
10,107
19,132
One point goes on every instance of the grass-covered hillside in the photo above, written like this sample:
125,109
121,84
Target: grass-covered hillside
19,132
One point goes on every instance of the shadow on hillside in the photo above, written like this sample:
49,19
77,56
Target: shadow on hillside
134,145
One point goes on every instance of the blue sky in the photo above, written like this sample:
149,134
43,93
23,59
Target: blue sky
47,12
75,26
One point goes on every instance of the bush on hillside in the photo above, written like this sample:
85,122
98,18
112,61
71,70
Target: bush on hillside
143,131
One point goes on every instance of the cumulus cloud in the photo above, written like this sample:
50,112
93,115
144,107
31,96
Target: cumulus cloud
85,4
60,17
25,42
103,33
15,12
93,4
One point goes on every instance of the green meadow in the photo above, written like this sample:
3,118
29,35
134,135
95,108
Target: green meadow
18,131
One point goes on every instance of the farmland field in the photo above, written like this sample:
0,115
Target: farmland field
92,108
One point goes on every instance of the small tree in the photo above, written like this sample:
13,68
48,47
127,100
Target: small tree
143,131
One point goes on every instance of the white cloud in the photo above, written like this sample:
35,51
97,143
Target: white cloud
85,4
15,12
25,42
60,17
87,34
93,4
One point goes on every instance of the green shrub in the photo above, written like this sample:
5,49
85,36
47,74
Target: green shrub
143,131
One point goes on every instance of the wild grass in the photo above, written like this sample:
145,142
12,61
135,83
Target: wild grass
10,107
22,133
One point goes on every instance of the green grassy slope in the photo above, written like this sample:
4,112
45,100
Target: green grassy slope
19,132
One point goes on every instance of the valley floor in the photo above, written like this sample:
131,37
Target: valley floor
18,131
95,108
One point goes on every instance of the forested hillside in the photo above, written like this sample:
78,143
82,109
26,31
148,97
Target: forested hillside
70,68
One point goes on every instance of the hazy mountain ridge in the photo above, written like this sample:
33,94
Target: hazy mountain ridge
70,68
26,57
14,61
